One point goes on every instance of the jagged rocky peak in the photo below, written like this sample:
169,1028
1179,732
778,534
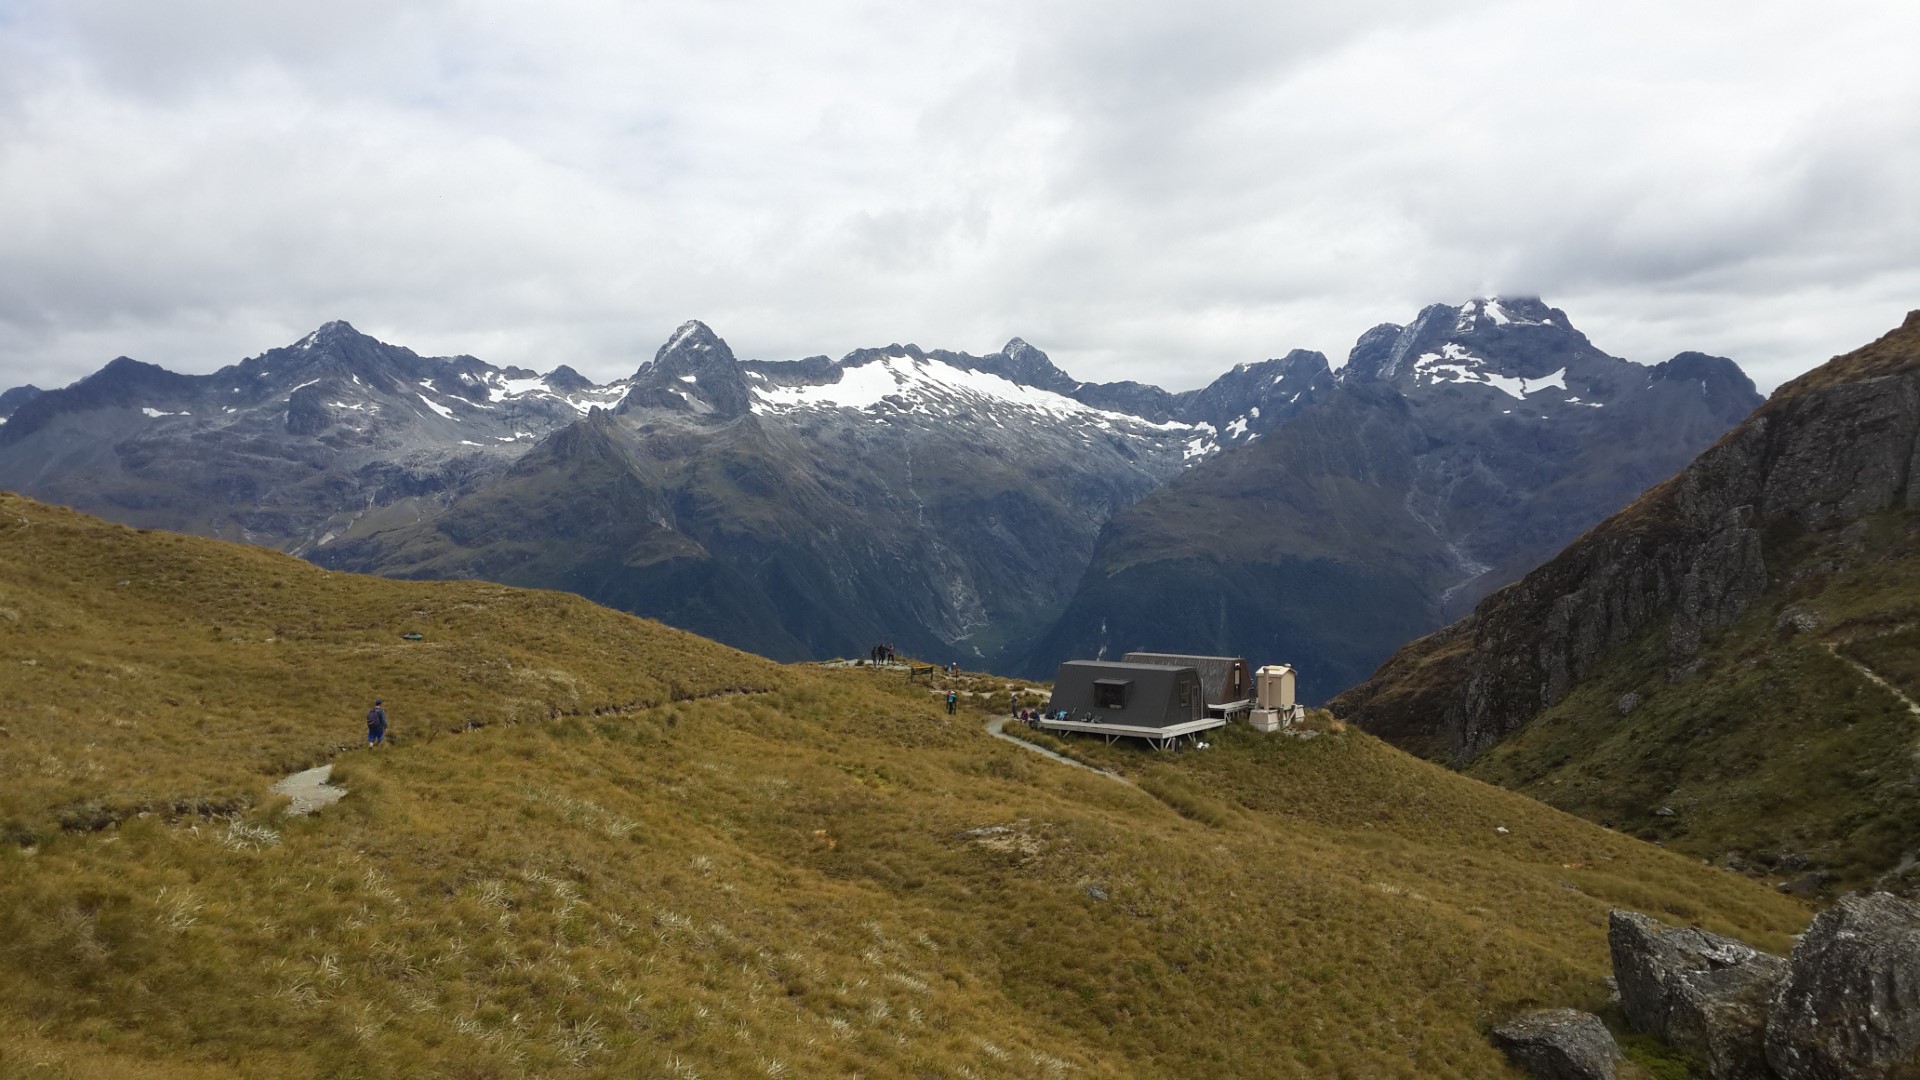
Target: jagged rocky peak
694,372
1507,313
692,343
331,332
876,354
17,397
125,383
1252,399
1515,337
564,378
1502,351
1028,366
335,349
1712,373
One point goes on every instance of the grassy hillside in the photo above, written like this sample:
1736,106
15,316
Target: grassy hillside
605,848
1772,750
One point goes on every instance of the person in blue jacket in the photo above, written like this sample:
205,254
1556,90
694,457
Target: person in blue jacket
377,724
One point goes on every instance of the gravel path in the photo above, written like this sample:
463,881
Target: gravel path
996,727
310,790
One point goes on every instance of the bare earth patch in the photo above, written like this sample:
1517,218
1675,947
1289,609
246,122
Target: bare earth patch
309,790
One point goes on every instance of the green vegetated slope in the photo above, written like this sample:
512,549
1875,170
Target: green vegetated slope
601,847
1772,750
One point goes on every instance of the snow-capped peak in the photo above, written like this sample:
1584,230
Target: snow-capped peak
899,383
1496,311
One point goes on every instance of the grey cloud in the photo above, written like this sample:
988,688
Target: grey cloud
1147,191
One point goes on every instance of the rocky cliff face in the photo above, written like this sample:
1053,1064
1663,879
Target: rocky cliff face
1447,458
1689,556
1729,664
11,400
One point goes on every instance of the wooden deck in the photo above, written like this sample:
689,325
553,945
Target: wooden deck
1160,737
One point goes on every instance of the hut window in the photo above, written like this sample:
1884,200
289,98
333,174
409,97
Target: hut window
1186,696
1110,693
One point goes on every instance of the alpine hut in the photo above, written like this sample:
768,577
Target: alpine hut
1223,679
1156,702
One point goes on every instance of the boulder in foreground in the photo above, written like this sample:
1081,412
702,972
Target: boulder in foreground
1697,991
1559,1044
1849,1008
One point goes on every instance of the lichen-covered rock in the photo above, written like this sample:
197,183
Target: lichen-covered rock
1559,1044
1698,991
1849,1008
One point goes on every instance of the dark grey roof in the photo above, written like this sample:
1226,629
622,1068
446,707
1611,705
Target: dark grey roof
1214,672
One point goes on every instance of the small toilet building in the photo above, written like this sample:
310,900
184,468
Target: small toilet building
1276,707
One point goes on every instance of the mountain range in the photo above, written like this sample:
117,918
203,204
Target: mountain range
990,508
1730,664
1445,459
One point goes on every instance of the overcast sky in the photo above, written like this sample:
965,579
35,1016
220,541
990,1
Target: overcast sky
1152,191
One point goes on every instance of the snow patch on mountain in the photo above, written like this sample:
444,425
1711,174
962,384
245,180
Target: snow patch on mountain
1454,364
503,388
911,383
1493,311
437,407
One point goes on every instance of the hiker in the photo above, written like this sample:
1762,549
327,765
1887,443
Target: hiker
377,724
953,699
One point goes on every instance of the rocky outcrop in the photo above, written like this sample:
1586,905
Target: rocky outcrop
307,411
11,400
694,372
1687,557
1559,1044
1701,992
1844,1006
1849,1008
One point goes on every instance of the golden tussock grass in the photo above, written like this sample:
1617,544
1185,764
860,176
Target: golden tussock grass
625,851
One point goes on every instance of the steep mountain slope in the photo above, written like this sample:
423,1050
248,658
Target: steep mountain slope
1720,663
946,502
11,400
806,509
601,847
287,447
981,480
1452,456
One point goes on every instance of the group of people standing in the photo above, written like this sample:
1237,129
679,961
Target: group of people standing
881,654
